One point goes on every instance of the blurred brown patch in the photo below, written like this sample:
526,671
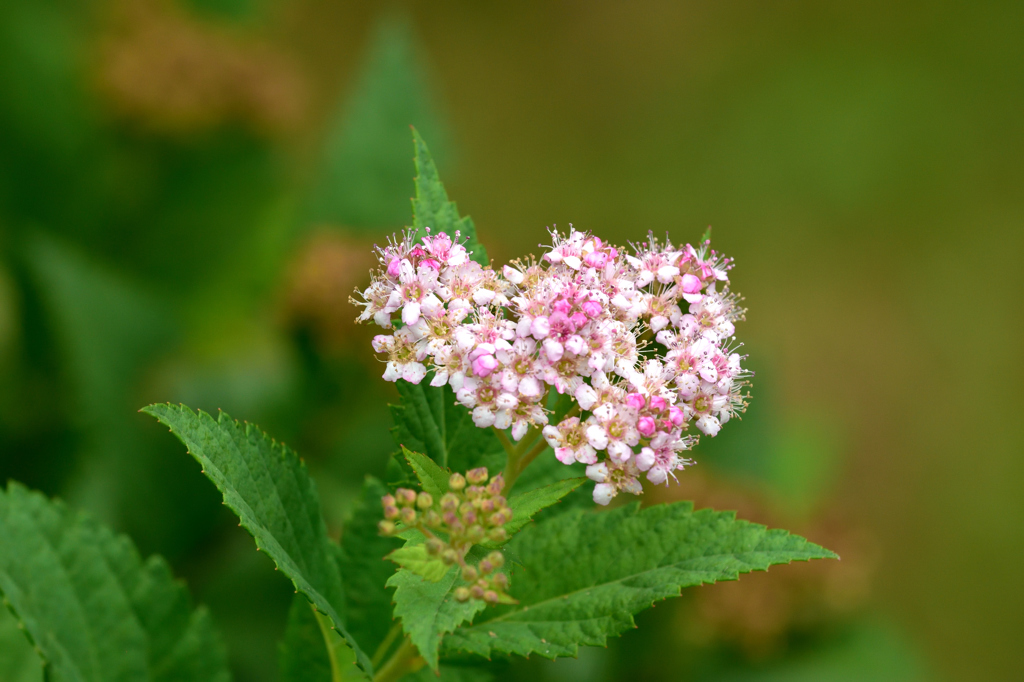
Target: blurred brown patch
171,72
323,275
760,613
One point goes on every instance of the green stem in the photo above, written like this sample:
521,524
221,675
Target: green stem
405,660
332,640
505,443
378,655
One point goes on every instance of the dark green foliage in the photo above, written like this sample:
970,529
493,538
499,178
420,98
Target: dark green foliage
93,608
268,486
362,564
586,574
429,421
303,653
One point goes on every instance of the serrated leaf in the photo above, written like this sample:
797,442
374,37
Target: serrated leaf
433,479
18,660
525,505
414,557
587,573
312,652
93,608
429,421
269,488
431,207
429,611
361,560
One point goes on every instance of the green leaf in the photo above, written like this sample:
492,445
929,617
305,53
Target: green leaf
93,608
364,181
432,478
269,488
429,611
414,557
361,560
18,659
431,207
525,505
428,420
312,651
588,573
451,673
303,653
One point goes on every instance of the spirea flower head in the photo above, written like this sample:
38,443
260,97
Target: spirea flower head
641,339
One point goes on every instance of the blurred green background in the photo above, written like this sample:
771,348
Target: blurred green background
188,192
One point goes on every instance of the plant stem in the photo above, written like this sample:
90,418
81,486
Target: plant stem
332,640
378,655
505,443
406,659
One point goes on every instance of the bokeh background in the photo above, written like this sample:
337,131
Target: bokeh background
188,192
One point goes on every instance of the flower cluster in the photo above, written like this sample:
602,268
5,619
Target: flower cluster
467,515
642,342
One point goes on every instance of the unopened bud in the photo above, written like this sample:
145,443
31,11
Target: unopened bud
434,546
486,567
476,592
406,497
477,476
498,519
469,574
387,528
388,501
501,581
496,485
450,502
461,594
391,512
424,501
486,506
475,534
465,508
408,515
499,502
469,517
473,492
497,559
498,534
457,482
490,596
432,519
449,557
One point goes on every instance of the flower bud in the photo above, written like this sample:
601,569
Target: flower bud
473,492
450,518
406,497
497,559
408,515
469,574
491,597
424,501
435,546
496,485
500,581
391,512
477,476
486,506
497,535
449,556
465,508
388,501
499,501
486,567
450,502
469,517
475,534
498,519
476,592
461,594
457,482
432,519
387,528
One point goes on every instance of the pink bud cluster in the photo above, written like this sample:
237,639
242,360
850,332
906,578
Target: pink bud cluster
466,515
642,341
